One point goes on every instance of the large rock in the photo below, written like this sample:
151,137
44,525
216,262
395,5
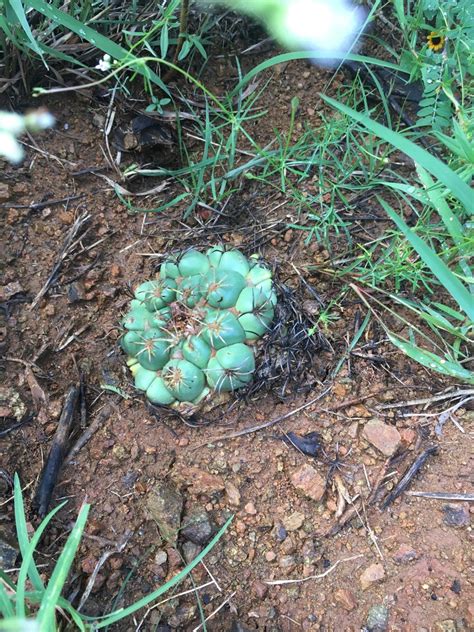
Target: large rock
8,551
456,515
382,436
294,521
233,494
165,506
310,482
345,598
372,574
198,527
377,619
200,481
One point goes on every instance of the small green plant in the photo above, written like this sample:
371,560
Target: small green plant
124,35
29,604
450,320
191,332
438,50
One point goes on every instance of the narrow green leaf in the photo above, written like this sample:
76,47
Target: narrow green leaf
28,560
431,360
125,612
18,9
432,164
46,612
164,41
22,533
444,275
453,225
285,57
6,607
114,389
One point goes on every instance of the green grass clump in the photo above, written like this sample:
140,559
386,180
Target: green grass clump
30,604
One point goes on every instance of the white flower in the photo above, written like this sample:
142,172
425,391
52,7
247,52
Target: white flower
105,64
12,123
38,120
10,148
324,26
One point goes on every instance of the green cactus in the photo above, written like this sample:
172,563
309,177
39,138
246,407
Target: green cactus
190,333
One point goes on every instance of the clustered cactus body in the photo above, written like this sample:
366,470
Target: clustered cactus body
191,332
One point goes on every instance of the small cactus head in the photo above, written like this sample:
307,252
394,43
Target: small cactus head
190,333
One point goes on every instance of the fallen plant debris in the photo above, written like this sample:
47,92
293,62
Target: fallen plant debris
57,452
309,444
408,476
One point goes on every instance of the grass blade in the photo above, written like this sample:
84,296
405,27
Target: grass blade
432,164
52,593
444,275
125,612
451,222
6,607
28,560
285,57
22,533
18,9
431,360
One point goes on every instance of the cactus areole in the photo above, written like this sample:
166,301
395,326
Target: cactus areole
191,332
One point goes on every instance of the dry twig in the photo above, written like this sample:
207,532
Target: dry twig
443,496
55,458
408,476
280,582
69,244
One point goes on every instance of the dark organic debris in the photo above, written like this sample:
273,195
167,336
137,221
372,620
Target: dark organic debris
143,132
286,359
6,482
14,425
309,444
73,238
56,454
408,476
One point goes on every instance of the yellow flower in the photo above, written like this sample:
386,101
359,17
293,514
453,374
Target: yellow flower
435,41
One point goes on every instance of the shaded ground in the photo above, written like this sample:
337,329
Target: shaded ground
408,565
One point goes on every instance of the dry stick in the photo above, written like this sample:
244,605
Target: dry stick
352,511
69,244
160,603
341,406
443,496
272,422
280,582
183,26
38,206
24,420
55,458
429,400
408,476
103,558
214,612
102,416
